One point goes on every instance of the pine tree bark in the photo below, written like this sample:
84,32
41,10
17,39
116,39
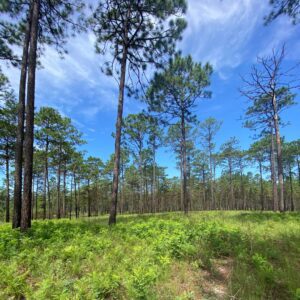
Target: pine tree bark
36,198
291,188
230,184
58,190
65,191
279,155
89,199
273,174
141,184
211,179
204,189
20,127
298,167
184,165
29,136
261,186
45,178
113,208
7,214
153,210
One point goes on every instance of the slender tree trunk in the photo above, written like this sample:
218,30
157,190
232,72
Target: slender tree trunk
230,183
261,186
181,179
78,199
279,155
36,197
298,166
65,191
20,128
89,199
184,166
153,210
58,190
204,190
113,208
45,179
122,187
49,197
291,188
211,180
71,199
29,136
7,215
273,174
32,197
141,180
75,196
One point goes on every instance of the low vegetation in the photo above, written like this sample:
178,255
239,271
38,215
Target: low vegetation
206,255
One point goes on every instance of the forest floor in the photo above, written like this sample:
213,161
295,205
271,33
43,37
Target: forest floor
206,255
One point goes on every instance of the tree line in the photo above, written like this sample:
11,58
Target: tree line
136,34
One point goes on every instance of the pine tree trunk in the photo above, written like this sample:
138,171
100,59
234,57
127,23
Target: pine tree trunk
211,180
29,136
261,186
113,208
45,179
75,196
20,127
273,174
298,166
65,191
49,197
32,197
89,199
78,198
58,190
7,214
141,182
230,183
291,188
153,210
184,166
71,200
279,155
36,198
204,189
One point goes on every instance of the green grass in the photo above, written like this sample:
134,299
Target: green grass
149,257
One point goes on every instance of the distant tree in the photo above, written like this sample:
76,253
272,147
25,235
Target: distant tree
155,140
229,154
76,166
269,91
207,131
290,154
92,169
137,34
284,7
8,120
136,128
201,169
258,153
47,126
174,141
173,93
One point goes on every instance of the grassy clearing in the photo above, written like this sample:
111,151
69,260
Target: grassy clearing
208,255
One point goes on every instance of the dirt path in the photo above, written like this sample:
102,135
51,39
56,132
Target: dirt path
190,282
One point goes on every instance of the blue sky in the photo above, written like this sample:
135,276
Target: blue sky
229,34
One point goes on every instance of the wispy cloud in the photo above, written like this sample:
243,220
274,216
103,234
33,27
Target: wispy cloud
225,33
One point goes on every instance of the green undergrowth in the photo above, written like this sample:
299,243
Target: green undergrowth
84,259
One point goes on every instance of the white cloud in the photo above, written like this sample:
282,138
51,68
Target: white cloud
226,32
